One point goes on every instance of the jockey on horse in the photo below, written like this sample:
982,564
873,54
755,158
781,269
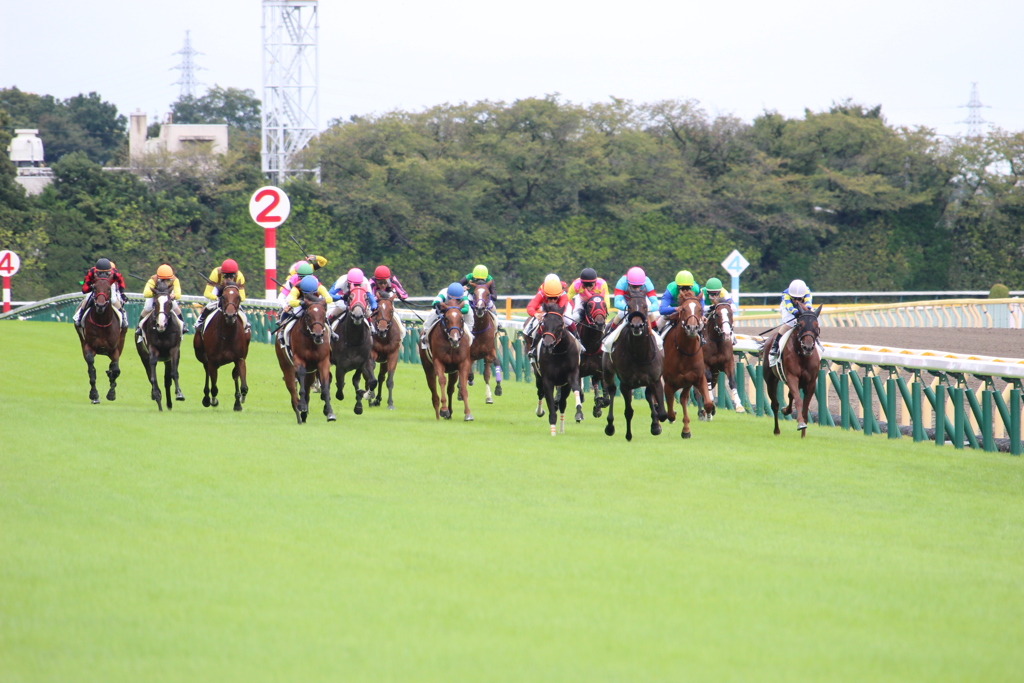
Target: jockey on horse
798,293
480,276
224,274
342,289
550,292
164,279
105,269
671,298
634,282
712,295
302,269
385,285
309,288
583,288
455,291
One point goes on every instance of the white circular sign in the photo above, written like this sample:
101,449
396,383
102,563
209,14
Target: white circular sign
269,206
9,263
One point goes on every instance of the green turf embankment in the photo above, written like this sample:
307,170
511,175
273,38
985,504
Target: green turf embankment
201,544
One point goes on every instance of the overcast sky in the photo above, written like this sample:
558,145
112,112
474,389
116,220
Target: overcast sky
916,59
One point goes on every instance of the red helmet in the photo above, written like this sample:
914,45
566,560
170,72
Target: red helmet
229,266
382,272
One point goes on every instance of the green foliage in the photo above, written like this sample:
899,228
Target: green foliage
999,292
236,107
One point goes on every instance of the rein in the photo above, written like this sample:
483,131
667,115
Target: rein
555,341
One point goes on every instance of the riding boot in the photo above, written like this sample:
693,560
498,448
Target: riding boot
124,319
773,354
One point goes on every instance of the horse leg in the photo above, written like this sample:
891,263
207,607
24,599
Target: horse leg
463,380
290,382
155,394
392,364
730,374
497,376
487,382
325,387
670,400
113,372
563,400
340,394
167,384
358,409
702,413
577,392
772,387
240,365
686,413
90,363
709,404
540,395
599,400
627,411
442,386
206,384
551,400
609,392
175,359
300,381
797,405
211,368
652,398
428,370
236,372
382,369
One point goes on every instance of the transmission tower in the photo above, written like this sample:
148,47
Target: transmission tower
187,68
974,119
291,105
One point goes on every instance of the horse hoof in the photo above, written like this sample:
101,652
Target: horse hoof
156,396
391,406
469,382
609,430
330,417
467,418
629,436
686,435
579,415
237,407
358,410
214,402
596,412
111,395
304,414
95,401
179,397
446,414
739,409
777,432
656,429
339,396
497,390
206,401
369,396
802,426
488,401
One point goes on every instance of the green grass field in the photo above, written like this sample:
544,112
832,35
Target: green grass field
207,545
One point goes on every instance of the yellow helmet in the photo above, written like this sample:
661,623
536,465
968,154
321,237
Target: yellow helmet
480,272
552,285
164,272
684,278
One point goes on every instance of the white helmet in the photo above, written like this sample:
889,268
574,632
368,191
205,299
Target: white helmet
798,289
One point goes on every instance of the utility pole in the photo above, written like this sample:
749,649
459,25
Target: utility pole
291,74
187,68
974,119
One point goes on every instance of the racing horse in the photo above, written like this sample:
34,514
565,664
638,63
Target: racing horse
684,358
446,360
558,367
798,364
485,328
223,340
353,348
387,344
101,333
718,355
636,360
591,331
309,358
158,340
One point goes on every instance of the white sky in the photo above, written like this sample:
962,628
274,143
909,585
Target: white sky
917,59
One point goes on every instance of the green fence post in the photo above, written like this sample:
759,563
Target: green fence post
761,406
517,362
741,385
987,435
1015,420
916,410
956,394
505,365
868,404
939,404
724,401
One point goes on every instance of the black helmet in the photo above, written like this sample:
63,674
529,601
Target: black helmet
103,264
588,275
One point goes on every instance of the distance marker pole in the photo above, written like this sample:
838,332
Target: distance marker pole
7,293
270,262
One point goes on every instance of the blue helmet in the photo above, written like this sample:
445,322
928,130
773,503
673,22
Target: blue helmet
455,291
309,284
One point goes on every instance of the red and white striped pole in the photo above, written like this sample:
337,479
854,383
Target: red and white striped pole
269,207
9,265
7,293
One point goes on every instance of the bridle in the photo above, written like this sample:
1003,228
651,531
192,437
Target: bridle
806,320
717,324
691,331
229,308
555,339
378,315
592,307
449,329
640,311
481,297
311,327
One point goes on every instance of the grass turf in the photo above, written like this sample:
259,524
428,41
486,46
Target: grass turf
202,544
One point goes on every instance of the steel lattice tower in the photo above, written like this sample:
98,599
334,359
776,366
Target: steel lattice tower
187,68
974,119
291,105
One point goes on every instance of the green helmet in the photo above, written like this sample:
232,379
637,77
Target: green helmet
684,278
480,272
714,285
304,269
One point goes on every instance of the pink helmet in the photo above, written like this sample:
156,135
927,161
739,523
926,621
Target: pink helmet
636,276
355,276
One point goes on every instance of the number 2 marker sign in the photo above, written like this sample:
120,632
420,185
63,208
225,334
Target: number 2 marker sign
269,207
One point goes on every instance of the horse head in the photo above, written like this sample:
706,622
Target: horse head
101,293
162,308
481,299
690,315
721,320
383,317
636,312
809,330
595,310
453,324
357,303
552,325
314,319
230,302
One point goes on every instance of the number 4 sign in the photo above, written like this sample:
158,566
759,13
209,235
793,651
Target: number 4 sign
735,264
269,207
9,265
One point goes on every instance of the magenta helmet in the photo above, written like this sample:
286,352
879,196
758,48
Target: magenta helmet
355,276
636,276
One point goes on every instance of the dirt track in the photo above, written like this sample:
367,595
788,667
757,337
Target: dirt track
981,342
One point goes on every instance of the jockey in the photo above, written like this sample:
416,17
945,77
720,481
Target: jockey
670,299
309,288
797,292
226,273
454,292
480,276
635,281
550,292
342,287
317,262
587,285
384,283
105,269
164,276
302,269
713,294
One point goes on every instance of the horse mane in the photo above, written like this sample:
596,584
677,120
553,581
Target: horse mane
551,307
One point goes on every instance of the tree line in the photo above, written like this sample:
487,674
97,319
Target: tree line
839,198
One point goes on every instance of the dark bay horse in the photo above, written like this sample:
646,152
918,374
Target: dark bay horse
558,367
158,340
101,334
485,329
353,349
387,344
684,360
636,360
800,362
223,340
591,331
446,360
310,358
718,355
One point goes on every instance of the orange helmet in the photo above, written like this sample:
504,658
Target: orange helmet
552,286
165,272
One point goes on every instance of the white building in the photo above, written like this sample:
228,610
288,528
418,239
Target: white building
26,152
175,137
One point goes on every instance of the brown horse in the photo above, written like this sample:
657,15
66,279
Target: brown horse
387,344
310,359
446,360
591,332
684,360
718,355
636,360
158,340
485,329
101,334
800,362
223,340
